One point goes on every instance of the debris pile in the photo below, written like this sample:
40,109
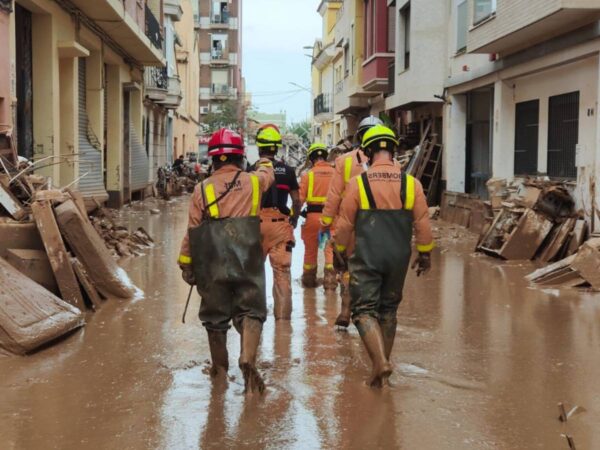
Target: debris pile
118,239
530,219
54,264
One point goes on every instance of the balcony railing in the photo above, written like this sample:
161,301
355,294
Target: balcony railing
220,18
322,104
221,90
219,55
153,29
156,77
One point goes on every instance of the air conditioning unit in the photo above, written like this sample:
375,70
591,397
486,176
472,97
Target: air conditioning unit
204,110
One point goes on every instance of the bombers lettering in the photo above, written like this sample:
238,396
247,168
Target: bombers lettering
237,185
384,176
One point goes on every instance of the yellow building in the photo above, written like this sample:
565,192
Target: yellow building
187,125
324,53
77,90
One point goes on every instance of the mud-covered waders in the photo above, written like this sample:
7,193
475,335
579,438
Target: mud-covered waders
228,264
382,252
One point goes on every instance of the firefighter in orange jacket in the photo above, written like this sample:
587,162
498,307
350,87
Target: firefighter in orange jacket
222,253
347,166
314,185
379,211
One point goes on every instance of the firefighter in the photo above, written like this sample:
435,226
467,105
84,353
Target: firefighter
380,209
222,253
278,220
347,166
313,191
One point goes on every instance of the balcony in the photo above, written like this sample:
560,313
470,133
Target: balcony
173,8
508,30
391,78
174,95
350,97
222,92
323,108
197,22
375,73
122,21
153,29
156,83
219,57
219,20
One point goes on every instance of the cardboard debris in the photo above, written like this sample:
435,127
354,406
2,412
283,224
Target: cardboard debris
89,248
587,263
31,316
57,253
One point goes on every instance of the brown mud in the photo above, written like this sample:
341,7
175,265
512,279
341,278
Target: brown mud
481,360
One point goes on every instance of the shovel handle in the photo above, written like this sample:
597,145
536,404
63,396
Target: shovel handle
187,303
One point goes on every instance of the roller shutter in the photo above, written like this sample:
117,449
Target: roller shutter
140,165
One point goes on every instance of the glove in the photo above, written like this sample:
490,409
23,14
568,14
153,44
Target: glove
422,264
294,221
340,261
187,273
323,237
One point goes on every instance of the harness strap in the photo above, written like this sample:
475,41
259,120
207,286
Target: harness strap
368,192
211,208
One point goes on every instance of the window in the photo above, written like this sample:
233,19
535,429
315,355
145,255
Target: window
220,12
462,27
391,43
218,49
482,9
352,49
405,37
346,60
220,81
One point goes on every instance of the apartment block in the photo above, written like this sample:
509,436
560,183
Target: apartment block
220,48
523,94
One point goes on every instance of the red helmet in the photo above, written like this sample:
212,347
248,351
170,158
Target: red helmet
226,142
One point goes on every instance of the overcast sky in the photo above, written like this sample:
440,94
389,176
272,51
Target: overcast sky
273,36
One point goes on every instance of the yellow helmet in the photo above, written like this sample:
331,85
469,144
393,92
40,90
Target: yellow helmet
268,137
317,149
381,135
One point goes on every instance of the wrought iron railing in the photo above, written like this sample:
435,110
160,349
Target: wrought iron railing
156,77
322,104
153,29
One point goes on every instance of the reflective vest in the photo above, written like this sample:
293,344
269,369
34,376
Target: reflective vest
310,197
213,207
408,193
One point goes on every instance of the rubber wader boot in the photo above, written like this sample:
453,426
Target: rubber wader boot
388,323
343,319
370,333
309,278
330,280
217,341
282,309
251,331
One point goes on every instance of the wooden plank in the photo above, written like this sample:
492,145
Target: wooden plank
86,284
11,203
587,263
33,264
57,254
539,273
560,237
578,236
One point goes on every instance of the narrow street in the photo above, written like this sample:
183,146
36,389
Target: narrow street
481,361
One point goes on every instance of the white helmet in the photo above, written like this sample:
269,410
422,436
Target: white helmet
365,124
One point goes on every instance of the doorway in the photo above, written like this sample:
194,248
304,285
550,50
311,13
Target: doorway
480,106
563,135
527,118
24,74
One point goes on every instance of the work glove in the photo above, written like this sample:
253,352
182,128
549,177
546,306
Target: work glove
340,261
187,273
422,264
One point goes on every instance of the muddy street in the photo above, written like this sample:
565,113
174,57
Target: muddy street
481,361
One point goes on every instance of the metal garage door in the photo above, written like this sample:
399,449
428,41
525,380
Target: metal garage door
90,150
563,135
140,165
526,137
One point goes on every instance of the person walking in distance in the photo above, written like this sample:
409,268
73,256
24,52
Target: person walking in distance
347,166
380,209
222,255
278,220
314,185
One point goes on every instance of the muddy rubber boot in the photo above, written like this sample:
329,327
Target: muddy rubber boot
309,278
282,308
370,333
251,331
330,282
343,319
388,323
217,341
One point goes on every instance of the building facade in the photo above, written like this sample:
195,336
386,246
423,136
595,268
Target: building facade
220,49
523,96
76,90
187,115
